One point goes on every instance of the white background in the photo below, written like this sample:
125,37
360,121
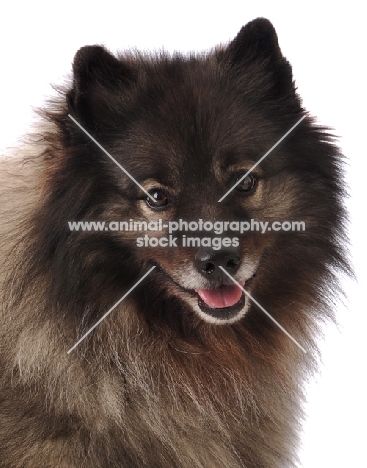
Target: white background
325,43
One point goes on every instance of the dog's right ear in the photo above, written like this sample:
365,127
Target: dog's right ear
100,83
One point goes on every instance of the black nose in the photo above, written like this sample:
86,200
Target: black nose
208,261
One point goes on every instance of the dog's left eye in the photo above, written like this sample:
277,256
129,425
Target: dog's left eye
160,202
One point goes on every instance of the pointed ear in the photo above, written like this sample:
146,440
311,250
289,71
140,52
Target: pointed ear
100,83
256,40
255,50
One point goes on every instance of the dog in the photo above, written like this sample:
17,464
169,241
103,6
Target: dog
182,342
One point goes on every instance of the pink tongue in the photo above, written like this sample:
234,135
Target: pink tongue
224,296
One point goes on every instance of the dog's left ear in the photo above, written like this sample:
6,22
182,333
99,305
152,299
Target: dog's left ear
256,52
257,40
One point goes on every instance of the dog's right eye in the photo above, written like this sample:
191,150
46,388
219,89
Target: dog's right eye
247,185
161,200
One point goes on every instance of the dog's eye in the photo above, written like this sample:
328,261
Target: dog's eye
160,199
248,184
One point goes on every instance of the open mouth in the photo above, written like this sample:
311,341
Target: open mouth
223,302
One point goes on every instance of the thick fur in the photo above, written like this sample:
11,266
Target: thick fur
156,385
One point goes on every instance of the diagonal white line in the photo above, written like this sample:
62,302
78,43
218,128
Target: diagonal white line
265,312
111,157
113,307
262,159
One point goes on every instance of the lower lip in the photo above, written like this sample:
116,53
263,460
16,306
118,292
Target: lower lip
224,313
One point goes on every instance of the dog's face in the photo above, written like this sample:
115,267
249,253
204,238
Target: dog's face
188,130
187,169
192,250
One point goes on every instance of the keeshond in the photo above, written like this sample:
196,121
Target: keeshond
201,362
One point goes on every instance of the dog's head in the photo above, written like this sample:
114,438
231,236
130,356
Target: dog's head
189,131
